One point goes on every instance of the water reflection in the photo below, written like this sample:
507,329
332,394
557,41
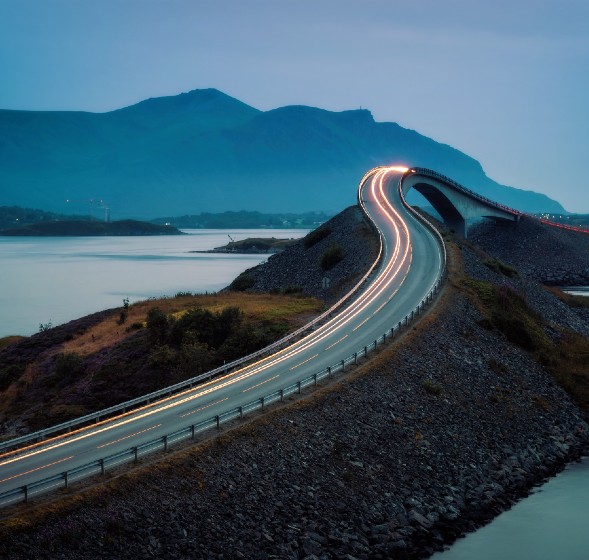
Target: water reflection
548,525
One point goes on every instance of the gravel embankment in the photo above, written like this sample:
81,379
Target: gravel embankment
431,438
550,255
298,267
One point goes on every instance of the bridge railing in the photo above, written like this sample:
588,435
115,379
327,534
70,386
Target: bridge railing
488,201
190,432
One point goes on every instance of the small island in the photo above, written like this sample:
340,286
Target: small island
253,246
79,228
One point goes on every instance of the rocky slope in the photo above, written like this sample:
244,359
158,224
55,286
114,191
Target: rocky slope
299,267
550,255
439,432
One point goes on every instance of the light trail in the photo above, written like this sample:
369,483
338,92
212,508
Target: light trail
37,469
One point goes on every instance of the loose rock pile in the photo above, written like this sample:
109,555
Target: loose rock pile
299,267
551,255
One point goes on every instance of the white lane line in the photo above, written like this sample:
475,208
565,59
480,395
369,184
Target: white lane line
37,469
203,407
336,342
304,362
127,437
254,386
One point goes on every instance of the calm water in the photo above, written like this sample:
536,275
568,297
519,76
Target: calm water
548,525
57,279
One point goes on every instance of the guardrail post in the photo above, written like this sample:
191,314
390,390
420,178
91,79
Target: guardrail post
343,365
241,411
299,387
136,454
356,358
262,401
65,479
315,379
25,490
102,466
192,432
281,395
399,326
375,344
165,443
384,337
218,421
329,371
365,351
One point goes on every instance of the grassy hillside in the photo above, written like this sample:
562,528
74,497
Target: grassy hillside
113,356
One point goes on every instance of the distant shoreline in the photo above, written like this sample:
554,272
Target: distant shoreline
252,246
86,228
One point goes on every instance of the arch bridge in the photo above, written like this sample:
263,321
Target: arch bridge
453,202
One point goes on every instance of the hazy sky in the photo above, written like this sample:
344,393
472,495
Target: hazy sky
506,81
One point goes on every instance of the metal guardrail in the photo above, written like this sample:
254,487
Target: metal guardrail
133,454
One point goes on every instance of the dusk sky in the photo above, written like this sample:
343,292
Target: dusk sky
507,82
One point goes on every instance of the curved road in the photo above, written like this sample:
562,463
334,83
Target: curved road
411,264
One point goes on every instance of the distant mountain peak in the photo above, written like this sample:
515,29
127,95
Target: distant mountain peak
201,99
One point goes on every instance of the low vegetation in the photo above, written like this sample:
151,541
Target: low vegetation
75,369
501,268
332,256
256,245
313,237
565,354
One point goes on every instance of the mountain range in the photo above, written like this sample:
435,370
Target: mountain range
204,151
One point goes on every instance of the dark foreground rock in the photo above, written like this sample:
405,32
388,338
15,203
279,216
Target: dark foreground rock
434,437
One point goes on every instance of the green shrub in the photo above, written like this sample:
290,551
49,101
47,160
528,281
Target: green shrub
313,237
9,374
331,257
431,387
162,356
68,365
134,327
501,268
243,282
158,325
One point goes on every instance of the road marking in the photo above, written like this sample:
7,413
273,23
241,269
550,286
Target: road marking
37,469
358,326
203,407
336,342
254,386
127,437
307,360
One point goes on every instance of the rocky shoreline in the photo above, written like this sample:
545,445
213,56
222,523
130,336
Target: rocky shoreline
430,439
